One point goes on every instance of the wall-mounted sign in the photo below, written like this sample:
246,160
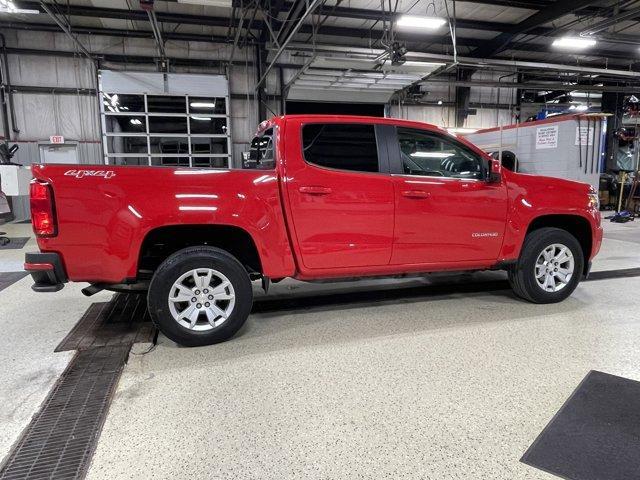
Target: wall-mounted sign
584,136
56,139
547,137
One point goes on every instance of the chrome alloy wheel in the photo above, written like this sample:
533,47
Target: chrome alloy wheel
201,299
554,267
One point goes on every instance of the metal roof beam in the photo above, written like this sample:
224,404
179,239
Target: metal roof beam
113,32
553,12
362,33
310,7
377,15
140,15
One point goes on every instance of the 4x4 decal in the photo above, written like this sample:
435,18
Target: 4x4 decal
107,174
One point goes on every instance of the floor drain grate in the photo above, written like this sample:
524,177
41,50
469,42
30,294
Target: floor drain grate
122,321
61,438
9,278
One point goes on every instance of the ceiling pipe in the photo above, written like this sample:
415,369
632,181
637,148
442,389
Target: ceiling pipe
539,86
609,22
370,53
65,29
157,34
615,38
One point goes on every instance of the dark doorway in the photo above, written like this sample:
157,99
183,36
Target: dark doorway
368,109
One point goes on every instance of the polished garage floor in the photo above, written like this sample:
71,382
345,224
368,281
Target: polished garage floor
452,385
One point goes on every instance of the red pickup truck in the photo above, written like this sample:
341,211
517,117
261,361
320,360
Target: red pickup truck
320,197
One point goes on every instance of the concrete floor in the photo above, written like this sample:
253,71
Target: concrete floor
435,386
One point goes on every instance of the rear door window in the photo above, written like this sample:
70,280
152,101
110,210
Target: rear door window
260,155
342,146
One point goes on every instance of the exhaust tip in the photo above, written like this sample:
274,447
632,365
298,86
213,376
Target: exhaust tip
91,290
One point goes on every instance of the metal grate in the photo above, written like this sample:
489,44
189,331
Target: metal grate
122,321
61,438
9,278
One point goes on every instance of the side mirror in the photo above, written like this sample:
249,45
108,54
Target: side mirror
495,171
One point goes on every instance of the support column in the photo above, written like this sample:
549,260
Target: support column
612,102
463,95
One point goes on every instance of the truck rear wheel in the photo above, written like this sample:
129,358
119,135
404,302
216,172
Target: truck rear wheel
549,268
200,296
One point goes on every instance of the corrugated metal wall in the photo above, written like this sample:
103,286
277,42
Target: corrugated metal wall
76,116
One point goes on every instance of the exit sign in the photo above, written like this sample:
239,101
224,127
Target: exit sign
56,139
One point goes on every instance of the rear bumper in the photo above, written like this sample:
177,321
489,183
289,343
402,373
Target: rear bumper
46,270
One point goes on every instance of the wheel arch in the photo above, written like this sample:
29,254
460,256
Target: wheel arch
163,241
576,225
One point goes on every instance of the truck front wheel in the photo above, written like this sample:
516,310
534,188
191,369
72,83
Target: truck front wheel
200,296
549,268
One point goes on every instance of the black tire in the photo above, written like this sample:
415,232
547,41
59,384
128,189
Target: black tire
522,275
178,264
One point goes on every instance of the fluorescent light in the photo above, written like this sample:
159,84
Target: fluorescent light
574,42
7,6
203,104
135,121
413,63
205,119
208,3
431,154
413,21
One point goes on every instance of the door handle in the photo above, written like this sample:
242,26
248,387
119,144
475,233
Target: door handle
416,194
314,190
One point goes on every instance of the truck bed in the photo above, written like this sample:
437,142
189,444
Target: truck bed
104,213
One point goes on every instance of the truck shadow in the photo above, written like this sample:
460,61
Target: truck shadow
346,298
337,316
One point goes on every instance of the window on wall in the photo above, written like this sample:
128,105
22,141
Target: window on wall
428,154
166,130
343,146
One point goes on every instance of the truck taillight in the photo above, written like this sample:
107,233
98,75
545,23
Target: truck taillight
43,215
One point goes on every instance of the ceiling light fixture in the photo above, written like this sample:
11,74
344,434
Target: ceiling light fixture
135,121
574,42
209,3
414,21
413,63
205,119
7,6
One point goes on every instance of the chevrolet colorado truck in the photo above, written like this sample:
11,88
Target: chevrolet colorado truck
319,197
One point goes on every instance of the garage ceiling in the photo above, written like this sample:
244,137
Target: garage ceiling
520,30
482,25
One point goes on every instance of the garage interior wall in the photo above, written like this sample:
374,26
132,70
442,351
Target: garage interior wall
76,116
